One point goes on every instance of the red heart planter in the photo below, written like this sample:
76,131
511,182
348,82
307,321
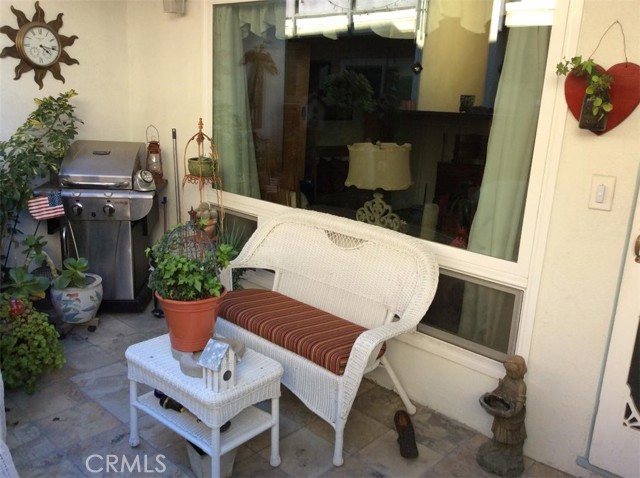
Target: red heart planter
624,93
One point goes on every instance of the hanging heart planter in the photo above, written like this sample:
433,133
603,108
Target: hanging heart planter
624,93
600,99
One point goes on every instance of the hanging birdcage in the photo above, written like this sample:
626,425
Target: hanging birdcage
191,241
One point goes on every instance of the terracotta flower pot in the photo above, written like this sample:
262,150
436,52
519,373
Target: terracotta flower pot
191,323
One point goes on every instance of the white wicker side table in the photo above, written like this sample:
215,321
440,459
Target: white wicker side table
257,379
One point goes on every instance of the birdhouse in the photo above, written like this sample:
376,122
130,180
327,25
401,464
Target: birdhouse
218,362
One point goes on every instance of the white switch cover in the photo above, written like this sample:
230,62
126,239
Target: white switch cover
602,189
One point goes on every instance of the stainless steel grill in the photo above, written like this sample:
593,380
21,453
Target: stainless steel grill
111,206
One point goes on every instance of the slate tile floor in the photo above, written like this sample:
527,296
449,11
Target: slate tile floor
76,425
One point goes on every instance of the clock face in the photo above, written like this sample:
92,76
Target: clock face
40,45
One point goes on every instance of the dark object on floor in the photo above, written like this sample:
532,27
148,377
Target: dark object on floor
170,403
157,312
406,435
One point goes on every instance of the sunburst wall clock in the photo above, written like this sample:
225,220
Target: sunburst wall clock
38,45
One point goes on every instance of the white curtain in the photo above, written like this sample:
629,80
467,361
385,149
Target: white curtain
474,15
232,129
497,223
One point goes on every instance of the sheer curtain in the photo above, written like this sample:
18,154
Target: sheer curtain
498,220
232,128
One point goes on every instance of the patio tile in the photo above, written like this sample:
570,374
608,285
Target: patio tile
384,455
359,432
88,358
56,397
437,431
109,454
77,423
82,411
304,454
109,387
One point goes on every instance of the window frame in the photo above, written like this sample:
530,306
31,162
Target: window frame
523,275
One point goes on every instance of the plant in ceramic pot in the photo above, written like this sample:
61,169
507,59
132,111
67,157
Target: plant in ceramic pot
75,293
185,278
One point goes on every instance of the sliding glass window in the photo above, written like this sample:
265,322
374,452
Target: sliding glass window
420,110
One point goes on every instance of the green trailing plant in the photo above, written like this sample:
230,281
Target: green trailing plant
29,344
187,277
34,150
598,83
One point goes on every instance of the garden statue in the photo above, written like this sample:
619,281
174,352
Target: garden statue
502,455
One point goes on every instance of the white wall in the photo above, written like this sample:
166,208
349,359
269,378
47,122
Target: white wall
583,258
140,66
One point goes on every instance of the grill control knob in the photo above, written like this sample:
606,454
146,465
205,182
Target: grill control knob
76,209
108,209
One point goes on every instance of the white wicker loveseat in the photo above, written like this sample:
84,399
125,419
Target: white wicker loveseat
7,468
374,278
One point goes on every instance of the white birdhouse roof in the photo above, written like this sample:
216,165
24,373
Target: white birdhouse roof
213,354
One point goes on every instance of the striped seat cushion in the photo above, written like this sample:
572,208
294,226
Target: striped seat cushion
305,330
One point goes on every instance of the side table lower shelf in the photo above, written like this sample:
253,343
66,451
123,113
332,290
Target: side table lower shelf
247,424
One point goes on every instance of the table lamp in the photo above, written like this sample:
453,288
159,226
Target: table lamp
380,166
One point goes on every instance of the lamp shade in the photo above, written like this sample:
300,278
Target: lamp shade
380,165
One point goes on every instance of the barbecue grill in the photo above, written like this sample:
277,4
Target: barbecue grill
111,206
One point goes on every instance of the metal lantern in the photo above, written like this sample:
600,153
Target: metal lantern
154,157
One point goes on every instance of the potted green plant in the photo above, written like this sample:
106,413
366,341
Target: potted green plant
185,278
34,150
202,166
76,294
596,104
29,345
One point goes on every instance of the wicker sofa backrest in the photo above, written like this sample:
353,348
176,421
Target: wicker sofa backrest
362,273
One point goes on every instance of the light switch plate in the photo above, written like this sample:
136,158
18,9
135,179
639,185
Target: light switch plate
602,189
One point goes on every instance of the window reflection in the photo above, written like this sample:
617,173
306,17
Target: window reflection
293,87
449,316
288,101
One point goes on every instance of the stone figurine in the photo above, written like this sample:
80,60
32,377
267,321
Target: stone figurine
502,455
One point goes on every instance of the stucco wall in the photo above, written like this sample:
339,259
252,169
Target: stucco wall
583,259
140,66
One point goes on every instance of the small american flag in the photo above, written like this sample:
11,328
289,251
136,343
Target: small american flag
46,207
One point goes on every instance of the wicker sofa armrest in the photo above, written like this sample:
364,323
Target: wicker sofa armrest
7,468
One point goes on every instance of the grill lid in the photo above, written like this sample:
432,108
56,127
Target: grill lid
101,164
